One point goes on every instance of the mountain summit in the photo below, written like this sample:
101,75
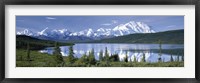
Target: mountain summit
120,30
101,33
132,27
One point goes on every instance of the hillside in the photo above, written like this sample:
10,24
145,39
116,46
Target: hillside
35,44
168,37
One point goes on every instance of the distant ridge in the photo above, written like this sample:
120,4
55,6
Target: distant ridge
167,37
131,27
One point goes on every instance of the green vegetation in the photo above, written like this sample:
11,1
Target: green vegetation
160,51
143,58
91,58
28,56
56,60
171,59
70,59
46,60
34,43
126,58
28,52
167,37
58,55
38,59
101,56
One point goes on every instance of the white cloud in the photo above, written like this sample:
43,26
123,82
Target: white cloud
171,26
50,18
114,21
106,24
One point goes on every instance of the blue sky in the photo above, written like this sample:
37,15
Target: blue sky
77,23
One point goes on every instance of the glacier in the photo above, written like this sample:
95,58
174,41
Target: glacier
101,33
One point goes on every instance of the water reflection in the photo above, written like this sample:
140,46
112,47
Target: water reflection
132,50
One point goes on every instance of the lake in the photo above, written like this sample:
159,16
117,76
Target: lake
151,51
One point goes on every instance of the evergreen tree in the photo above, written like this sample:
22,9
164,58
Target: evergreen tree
126,58
83,61
91,57
106,55
178,58
160,50
28,52
115,57
143,58
86,60
111,58
171,58
135,59
57,54
101,55
130,60
71,57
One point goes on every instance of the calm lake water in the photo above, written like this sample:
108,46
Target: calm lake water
151,51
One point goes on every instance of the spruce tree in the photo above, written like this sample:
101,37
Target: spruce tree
57,54
135,59
160,51
171,58
126,58
82,61
115,57
71,57
178,58
91,57
130,60
101,56
28,52
85,58
143,58
106,55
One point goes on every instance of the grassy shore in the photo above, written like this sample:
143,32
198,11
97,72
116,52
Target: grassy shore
46,60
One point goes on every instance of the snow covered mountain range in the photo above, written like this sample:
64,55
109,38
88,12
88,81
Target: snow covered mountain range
89,34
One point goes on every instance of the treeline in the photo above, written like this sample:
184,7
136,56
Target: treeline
30,58
105,59
167,37
34,43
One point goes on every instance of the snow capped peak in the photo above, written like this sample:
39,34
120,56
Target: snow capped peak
132,27
132,24
61,31
145,27
65,31
25,32
89,32
120,27
100,30
120,30
44,29
90,29
43,32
